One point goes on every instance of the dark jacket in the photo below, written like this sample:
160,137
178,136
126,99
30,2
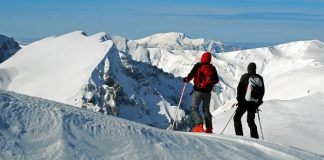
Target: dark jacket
242,87
194,75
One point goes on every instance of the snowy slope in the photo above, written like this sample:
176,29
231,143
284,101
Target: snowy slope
180,41
32,128
138,52
90,72
295,122
293,76
285,68
55,68
8,47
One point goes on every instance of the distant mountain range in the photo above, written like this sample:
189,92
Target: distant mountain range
180,41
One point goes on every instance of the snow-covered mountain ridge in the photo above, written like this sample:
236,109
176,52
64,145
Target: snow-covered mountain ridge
280,62
90,72
180,41
33,128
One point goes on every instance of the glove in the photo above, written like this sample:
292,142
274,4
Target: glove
185,80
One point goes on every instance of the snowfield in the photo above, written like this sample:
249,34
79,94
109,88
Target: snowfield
55,68
33,128
295,122
141,81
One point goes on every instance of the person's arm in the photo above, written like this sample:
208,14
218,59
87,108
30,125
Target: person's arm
216,79
192,73
241,89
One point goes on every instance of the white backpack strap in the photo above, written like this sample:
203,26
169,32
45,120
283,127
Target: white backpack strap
253,81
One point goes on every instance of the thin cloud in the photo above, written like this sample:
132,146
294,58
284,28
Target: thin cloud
258,16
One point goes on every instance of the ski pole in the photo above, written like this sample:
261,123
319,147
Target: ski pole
228,122
176,113
260,123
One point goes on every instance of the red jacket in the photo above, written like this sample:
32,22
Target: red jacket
205,60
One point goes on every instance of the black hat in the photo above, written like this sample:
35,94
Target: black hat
251,68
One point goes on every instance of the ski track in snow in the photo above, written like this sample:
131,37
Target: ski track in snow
33,128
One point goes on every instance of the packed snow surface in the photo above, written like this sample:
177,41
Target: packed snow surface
33,128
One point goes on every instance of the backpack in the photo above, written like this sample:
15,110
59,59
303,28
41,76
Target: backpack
206,74
254,89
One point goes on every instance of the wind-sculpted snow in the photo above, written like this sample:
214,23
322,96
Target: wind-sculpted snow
27,132
33,128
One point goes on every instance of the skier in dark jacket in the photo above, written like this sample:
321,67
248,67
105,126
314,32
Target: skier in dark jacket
205,77
248,105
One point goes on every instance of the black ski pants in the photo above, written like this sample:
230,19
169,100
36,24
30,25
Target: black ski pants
251,109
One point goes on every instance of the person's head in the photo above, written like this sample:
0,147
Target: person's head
251,68
206,57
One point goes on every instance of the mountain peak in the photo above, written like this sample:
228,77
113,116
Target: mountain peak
316,42
79,32
180,41
2,38
102,36
170,35
8,47
167,39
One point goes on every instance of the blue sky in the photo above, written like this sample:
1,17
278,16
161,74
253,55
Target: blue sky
225,20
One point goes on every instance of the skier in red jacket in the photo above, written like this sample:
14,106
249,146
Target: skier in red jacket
205,77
